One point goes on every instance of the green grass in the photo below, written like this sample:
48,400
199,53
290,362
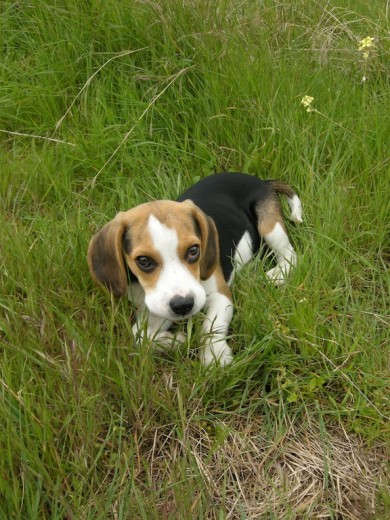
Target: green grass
143,99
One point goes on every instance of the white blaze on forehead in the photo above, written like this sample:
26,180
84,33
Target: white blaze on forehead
164,239
175,279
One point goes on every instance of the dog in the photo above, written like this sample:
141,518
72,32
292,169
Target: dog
175,258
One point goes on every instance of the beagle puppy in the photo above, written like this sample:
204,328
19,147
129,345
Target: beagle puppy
174,258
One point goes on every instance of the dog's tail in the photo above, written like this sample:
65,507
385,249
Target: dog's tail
293,200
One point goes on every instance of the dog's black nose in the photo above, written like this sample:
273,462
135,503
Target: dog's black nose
182,305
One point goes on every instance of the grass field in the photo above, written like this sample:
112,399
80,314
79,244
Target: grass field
107,104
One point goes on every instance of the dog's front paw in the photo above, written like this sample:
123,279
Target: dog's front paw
218,352
277,275
167,340
180,337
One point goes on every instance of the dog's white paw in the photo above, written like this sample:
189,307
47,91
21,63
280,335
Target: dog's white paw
277,275
218,352
168,340
138,332
161,340
180,337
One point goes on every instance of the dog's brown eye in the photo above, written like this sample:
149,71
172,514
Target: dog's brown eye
193,253
145,263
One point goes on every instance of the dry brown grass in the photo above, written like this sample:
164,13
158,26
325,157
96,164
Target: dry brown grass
304,473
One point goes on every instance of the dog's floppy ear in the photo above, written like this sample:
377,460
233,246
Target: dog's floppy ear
207,230
105,258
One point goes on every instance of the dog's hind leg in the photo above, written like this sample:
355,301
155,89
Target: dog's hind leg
273,231
286,257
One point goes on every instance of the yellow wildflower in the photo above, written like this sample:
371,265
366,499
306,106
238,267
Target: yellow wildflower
306,102
366,43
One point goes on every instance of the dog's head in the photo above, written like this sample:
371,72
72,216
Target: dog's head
169,247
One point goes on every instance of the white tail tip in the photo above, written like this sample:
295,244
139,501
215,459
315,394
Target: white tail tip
296,208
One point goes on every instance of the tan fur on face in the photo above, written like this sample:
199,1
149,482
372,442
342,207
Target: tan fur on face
193,227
